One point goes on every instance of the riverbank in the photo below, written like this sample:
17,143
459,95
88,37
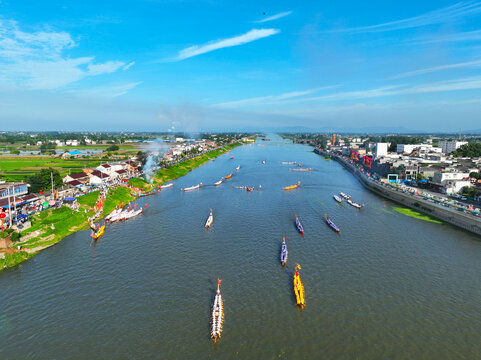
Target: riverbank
52,226
180,169
457,218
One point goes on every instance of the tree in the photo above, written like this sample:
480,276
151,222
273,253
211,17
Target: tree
141,157
42,180
475,175
468,150
113,148
470,192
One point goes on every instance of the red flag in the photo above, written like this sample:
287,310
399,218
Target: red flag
219,281
41,192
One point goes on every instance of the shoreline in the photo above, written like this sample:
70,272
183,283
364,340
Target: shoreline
459,219
68,222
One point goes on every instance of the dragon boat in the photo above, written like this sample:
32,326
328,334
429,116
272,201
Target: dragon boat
193,187
355,204
99,233
217,314
291,187
299,288
210,220
284,252
299,226
331,224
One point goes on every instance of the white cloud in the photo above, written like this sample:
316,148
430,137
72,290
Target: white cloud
468,64
447,14
37,60
128,66
274,17
105,68
109,91
250,36
270,99
474,35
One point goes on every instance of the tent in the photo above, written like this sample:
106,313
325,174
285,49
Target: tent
69,199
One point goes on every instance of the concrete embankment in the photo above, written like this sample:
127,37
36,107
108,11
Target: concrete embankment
458,218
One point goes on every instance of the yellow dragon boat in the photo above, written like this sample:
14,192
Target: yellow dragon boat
229,176
293,186
299,288
98,234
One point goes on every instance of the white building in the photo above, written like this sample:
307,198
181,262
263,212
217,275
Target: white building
381,150
451,182
409,148
448,147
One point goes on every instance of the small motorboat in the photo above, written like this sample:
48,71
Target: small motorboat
99,233
291,187
249,188
237,168
288,163
283,252
299,226
219,182
217,314
232,158
263,162
337,198
166,186
331,224
193,187
210,220
355,204
344,195
299,288
229,176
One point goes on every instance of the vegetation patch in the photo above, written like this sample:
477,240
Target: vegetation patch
417,215
175,171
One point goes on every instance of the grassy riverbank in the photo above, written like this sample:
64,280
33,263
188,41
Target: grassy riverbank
182,168
51,226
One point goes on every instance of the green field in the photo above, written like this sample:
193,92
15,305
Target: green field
17,168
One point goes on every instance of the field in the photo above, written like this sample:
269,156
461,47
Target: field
18,167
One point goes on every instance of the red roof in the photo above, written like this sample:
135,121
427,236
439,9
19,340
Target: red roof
121,171
74,183
105,166
99,174
79,175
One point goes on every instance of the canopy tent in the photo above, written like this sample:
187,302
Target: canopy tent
69,199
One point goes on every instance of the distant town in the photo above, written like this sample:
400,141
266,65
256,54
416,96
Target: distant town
449,166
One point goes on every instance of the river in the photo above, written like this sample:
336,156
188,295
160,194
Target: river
388,286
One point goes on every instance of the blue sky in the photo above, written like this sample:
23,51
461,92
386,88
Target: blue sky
217,65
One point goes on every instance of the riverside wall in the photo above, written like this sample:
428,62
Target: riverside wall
461,219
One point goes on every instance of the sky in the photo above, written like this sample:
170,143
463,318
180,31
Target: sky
194,65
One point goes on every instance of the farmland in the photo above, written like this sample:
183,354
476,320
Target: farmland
18,167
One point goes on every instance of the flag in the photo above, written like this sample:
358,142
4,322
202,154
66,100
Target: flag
41,192
219,281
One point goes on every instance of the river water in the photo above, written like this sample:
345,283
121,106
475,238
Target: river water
388,287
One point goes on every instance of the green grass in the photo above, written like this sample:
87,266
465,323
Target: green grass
417,215
65,221
21,167
182,168
89,200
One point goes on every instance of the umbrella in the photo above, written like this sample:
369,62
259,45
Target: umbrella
51,202
45,204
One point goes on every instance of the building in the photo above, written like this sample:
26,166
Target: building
98,177
381,149
409,148
13,189
80,177
450,182
74,153
448,147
